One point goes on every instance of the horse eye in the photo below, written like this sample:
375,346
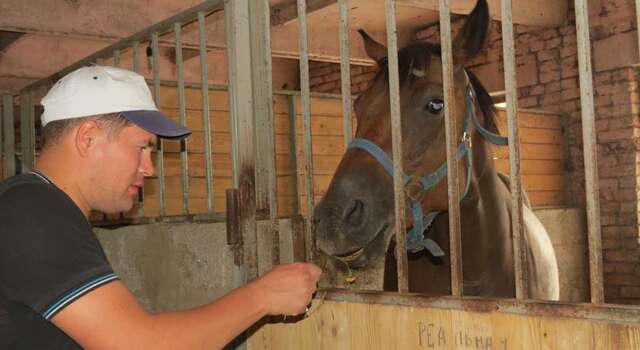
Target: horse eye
435,106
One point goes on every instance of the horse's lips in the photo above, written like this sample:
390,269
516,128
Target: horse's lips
358,254
352,257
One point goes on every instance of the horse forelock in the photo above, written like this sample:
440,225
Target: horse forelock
414,62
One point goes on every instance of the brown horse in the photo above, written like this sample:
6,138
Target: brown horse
354,220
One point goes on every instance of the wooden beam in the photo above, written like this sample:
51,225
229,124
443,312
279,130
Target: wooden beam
288,12
538,13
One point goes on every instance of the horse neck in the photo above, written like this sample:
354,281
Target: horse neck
483,215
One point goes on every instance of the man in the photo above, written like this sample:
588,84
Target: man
56,287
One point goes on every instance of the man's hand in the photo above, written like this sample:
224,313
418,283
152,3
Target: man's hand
287,289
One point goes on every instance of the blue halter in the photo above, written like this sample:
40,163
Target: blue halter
416,240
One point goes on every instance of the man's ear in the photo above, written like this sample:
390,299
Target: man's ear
86,136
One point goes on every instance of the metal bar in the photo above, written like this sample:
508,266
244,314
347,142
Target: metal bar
204,88
156,94
116,57
396,137
455,247
232,210
184,17
510,84
231,35
294,154
182,117
237,29
266,180
135,54
26,132
306,113
611,314
190,218
9,162
590,151
136,68
345,70
638,20
218,87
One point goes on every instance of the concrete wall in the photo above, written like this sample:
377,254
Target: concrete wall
567,229
177,266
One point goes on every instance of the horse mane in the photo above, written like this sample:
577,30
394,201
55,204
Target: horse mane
418,56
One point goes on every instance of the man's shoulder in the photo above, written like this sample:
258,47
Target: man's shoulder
29,196
26,188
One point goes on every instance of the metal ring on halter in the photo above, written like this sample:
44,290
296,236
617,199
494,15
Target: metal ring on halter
414,189
466,138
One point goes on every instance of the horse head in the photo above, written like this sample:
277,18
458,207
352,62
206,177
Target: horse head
354,220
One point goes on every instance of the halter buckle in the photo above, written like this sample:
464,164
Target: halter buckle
414,189
466,139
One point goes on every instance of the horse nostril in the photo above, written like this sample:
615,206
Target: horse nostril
354,212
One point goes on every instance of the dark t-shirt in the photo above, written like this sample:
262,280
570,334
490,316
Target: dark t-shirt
49,257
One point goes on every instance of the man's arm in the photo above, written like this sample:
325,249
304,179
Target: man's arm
111,318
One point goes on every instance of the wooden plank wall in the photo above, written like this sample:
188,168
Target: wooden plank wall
348,325
542,156
541,136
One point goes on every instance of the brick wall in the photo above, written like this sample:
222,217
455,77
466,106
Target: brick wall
547,73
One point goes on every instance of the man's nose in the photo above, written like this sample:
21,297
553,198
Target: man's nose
146,166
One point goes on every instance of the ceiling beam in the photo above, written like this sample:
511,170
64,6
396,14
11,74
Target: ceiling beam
288,12
537,13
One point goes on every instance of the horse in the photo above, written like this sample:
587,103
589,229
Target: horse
353,222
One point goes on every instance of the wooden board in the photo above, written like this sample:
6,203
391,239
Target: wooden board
350,325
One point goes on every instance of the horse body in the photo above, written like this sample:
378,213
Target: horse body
354,220
488,261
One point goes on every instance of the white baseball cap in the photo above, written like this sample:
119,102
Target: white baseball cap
98,90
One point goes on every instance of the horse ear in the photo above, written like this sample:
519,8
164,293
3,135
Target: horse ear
375,50
473,36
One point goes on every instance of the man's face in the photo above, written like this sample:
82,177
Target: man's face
119,164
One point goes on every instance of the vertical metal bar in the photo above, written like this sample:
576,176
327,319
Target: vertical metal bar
345,70
266,183
237,30
455,247
136,68
26,132
231,34
136,58
638,20
295,204
181,106
396,137
306,113
204,88
9,136
590,151
116,58
160,149
116,63
32,131
510,84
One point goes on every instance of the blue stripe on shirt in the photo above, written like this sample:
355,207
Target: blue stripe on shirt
72,295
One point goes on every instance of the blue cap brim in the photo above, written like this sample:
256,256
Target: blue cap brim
156,123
